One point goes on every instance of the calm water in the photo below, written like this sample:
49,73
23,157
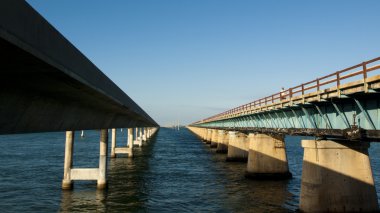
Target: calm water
175,172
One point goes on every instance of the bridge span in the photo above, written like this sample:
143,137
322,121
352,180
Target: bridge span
47,85
341,113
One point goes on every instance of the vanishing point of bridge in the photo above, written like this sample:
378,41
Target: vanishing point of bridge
342,113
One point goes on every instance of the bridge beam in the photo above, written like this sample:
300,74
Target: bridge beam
237,147
208,136
337,177
267,157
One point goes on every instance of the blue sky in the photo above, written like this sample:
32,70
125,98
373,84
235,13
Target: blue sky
187,60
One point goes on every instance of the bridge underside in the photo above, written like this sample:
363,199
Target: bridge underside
46,84
353,117
37,97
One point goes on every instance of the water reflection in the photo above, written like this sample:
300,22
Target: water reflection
86,200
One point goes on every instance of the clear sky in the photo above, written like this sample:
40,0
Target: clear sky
187,60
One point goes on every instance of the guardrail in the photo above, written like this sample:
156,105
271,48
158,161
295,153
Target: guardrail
335,79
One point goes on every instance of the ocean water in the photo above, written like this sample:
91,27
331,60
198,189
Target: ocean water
174,172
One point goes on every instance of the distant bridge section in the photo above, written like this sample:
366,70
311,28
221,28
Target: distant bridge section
47,84
344,104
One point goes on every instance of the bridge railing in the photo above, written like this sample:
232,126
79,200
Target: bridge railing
360,72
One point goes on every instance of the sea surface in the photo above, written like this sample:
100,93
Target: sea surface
173,172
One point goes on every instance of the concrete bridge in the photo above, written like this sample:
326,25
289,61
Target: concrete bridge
47,84
340,111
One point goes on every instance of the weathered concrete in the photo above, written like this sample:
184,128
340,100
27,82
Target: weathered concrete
102,178
222,142
144,134
130,142
208,136
113,143
237,147
214,138
68,164
137,140
127,149
337,177
85,174
267,157
49,85
99,174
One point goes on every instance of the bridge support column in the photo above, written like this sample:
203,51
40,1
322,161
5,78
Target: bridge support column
144,133
67,183
113,143
208,136
203,134
128,149
337,177
236,151
267,157
214,138
222,147
148,135
102,178
99,174
130,143
138,140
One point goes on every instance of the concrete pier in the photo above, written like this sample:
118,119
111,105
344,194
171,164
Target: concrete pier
138,140
222,146
237,147
113,143
127,149
214,138
208,136
68,164
203,134
144,134
337,177
99,174
130,142
102,178
267,157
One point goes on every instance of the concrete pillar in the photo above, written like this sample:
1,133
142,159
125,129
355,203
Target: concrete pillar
102,178
136,139
267,157
222,146
68,164
208,136
214,138
140,134
130,142
337,177
144,133
236,147
113,143
148,133
137,133
203,134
